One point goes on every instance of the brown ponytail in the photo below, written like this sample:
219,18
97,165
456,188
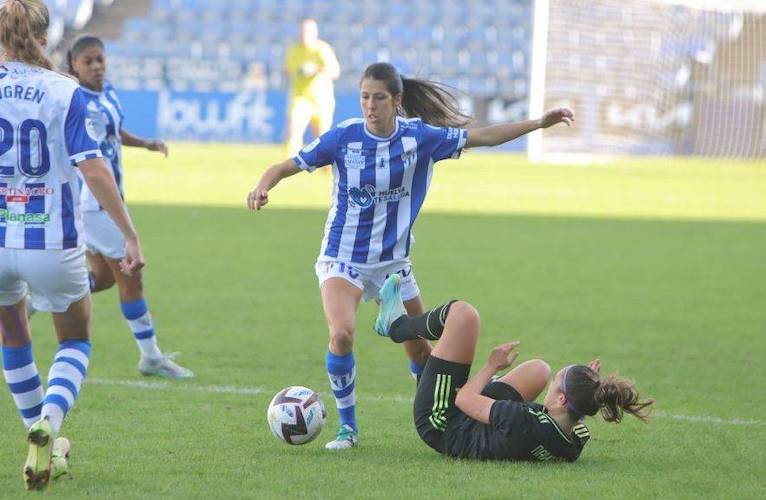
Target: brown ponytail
616,395
430,101
587,393
22,24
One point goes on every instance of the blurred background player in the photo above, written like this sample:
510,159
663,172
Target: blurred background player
382,167
104,241
311,66
497,419
45,131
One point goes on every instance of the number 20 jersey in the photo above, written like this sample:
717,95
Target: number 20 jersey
44,132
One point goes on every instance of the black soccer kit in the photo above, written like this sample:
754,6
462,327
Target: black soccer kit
517,429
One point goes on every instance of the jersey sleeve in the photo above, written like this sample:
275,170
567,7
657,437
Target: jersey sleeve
79,131
318,153
447,142
508,416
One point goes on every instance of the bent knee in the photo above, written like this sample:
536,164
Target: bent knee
464,311
540,369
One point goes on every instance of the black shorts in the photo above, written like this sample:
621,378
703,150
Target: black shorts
434,404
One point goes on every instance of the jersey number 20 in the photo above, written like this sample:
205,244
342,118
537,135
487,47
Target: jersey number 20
34,159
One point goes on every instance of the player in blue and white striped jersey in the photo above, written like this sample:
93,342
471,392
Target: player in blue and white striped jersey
44,132
105,244
382,165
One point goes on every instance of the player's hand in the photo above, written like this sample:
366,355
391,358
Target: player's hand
555,116
503,356
133,261
257,198
595,365
160,146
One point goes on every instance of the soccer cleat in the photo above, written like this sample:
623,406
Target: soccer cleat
164,366
391,305
347,438
37,469
60,458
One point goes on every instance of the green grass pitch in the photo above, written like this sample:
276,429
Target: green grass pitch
656,266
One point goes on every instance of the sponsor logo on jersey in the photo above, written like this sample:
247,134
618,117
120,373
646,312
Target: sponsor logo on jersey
367,196
26,191
354,159
30,218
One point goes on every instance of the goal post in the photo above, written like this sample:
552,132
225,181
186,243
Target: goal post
650,77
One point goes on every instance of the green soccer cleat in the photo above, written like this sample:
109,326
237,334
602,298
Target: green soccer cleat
60,458
164,366
347,438
391,305
37,469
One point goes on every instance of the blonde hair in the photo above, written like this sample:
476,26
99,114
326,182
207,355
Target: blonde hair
22,24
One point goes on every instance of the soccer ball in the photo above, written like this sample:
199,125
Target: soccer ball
296,415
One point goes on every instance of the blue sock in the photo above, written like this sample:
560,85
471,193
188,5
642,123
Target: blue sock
24,382
416,370
142,326
342,373
70,366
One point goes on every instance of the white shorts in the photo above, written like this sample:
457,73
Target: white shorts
55,279
370,277
102,236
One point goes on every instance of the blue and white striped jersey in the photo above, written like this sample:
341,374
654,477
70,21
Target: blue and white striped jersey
380,185
44,130
106,114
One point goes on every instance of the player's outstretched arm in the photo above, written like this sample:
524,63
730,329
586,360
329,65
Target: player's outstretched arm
494,135
469,399
259,196
101,182
129,139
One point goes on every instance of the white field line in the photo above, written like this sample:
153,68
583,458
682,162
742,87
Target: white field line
254,391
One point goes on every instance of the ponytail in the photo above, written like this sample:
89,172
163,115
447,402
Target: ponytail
22,24
616,395
430,101
587,394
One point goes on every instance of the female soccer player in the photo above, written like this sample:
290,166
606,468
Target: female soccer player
105,244
497,420
45,130
382,166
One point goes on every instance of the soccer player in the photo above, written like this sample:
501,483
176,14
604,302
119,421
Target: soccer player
311,66
45,132
382,166
486,419
103,239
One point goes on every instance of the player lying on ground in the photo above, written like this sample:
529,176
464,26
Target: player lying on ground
382,167
488,419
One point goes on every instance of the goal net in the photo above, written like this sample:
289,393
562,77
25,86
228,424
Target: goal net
650,77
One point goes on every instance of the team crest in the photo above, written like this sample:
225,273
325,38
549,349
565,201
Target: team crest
354,159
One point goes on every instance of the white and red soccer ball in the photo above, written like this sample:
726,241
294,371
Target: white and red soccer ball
296,415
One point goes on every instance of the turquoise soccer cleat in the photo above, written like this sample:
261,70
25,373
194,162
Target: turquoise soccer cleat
391,305
347,438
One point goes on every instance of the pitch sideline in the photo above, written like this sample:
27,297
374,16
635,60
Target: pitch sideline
254,391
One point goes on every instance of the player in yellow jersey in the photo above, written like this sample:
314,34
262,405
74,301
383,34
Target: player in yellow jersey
311,66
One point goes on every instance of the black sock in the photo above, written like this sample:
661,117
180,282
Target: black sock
429,326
